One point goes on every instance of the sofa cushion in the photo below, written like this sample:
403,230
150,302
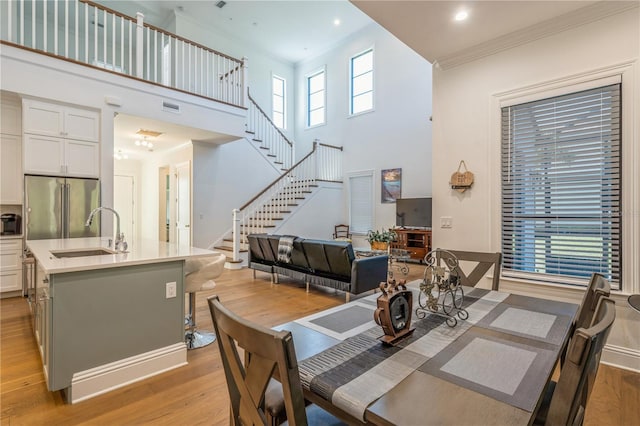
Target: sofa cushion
298,257
267,252
314,251
340,256
255,251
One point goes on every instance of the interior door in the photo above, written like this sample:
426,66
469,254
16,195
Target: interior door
124,204
183,204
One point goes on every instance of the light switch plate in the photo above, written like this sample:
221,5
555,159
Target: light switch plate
446,222
170,290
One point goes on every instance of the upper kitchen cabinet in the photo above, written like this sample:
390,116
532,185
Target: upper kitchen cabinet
44,155
11,123
60,140
10,152
10,169
45,119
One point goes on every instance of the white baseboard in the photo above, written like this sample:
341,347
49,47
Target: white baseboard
96,381
621,357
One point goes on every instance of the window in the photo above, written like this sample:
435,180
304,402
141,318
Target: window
361,202
278,101
361,75
316,97
561,194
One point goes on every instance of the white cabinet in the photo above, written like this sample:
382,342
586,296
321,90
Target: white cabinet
60,140
10,152
10,265
10,169
63,157
11,123
46,119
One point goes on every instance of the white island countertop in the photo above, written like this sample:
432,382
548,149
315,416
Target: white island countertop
139,252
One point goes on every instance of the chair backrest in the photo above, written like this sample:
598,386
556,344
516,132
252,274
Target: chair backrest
266,351
341,231
569,400
598,287
484,262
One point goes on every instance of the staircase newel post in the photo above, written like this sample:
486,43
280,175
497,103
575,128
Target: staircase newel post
236,235
245,80
139,45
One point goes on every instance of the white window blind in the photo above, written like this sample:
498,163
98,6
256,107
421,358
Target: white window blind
361,203
561,197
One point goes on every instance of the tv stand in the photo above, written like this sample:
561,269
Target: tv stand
416,241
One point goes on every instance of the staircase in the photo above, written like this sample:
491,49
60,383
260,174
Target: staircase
267,138
266,211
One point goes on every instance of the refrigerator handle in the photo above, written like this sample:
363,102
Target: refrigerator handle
67,207
62,210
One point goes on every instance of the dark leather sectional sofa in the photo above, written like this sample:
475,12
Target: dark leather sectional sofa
319,262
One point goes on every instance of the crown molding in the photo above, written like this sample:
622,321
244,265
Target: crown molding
585,15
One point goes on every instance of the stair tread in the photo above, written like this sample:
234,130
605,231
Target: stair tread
250,132
272,155
264,147
256,140
223,248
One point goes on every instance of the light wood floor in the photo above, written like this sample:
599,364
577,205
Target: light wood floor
197,393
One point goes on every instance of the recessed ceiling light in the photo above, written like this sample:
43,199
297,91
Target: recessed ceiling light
336,22
461,15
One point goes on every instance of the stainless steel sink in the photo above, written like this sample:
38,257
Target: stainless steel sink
98,251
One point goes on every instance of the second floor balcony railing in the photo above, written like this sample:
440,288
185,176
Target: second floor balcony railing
87,33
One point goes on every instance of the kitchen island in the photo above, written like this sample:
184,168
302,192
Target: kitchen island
105,319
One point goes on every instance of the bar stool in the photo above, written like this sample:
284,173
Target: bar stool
199,276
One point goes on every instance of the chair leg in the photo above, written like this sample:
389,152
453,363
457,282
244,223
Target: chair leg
193,338
307,286
347,297
254,274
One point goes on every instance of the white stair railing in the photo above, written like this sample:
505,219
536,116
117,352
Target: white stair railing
323,163
268,135
85,32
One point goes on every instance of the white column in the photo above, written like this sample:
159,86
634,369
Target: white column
245,81
139,45
236,235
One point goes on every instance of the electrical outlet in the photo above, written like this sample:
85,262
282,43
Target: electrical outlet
446,222
171,290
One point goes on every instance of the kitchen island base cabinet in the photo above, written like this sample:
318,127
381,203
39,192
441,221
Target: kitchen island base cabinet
113,326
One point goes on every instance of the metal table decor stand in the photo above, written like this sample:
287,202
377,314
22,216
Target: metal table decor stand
440,289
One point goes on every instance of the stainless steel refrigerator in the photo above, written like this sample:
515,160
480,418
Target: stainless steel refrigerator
58,207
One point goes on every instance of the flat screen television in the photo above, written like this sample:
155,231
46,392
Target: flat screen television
413,212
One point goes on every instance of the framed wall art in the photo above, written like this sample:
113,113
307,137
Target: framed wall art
391,185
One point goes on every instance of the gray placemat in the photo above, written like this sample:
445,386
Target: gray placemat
345,320
512,371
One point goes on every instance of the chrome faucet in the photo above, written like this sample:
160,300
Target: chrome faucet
120,245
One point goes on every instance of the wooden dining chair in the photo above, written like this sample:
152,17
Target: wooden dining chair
598,287
565,402
484,262
256,398
341,231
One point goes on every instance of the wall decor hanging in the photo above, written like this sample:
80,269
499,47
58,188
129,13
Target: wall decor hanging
461,181
391,185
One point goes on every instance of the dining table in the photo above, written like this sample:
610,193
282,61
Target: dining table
489,368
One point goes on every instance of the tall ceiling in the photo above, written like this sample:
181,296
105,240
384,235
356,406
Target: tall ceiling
294,30
291,30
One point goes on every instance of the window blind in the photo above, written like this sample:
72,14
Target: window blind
561,194
361,203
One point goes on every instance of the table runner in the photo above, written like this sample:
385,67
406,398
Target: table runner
360,369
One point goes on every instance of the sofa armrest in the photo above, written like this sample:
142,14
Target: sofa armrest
368,272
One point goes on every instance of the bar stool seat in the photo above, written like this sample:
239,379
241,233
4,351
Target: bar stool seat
199,276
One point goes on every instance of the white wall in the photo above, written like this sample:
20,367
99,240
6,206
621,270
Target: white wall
224,178
396,134
466,127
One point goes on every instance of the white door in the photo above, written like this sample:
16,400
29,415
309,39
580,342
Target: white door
183,204
124,204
